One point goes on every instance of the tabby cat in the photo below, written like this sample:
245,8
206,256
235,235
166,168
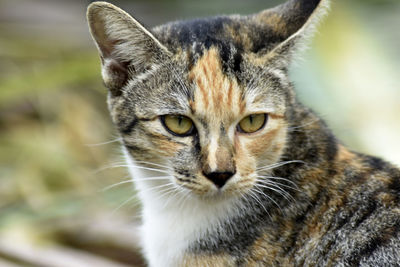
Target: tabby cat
231,169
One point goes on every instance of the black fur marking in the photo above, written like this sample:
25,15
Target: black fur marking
394,185
187,181
225,52
190,59
332,172
127,129
308,6
373,243
264,39
204,34
375,163
222,129
185,173
236,244
204,123
237,61
134,148
353,177
288,170
367,209
341,219
312,154
331,147
196,145
301,218
231,59
202,31
297,13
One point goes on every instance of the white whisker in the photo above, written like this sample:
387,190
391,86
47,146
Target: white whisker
165,192
303,125
124,203
148,190
255,197
278,186
186,195
157,178
156,187
150,169
154,164
116,184
174,193
278,190
105,143
278,164
269,178
134,166
109,167
270,198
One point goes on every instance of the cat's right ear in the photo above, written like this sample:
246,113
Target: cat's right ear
126,48
285,29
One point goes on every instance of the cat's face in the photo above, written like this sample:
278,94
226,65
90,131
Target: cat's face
213,130
208,101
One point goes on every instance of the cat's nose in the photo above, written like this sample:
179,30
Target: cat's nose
219,178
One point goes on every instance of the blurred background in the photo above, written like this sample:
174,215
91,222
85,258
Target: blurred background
59,154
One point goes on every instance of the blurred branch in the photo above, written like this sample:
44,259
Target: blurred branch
97,241
55,256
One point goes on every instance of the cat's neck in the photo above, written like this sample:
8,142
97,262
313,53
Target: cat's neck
173,220
309,138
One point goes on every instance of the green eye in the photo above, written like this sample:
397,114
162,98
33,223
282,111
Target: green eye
252,123
178,124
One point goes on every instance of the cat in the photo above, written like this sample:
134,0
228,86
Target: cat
231,168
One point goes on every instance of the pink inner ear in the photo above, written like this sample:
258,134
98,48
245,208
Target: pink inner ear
115,75
105,44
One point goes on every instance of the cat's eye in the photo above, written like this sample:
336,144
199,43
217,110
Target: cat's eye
178,124
252,123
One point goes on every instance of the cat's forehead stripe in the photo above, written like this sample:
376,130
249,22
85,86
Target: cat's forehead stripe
214,90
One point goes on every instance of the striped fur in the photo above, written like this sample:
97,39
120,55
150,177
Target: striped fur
296,197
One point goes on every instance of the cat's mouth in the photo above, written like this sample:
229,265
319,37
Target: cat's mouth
221,186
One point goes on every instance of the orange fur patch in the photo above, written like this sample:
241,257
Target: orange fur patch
274,20
263,252
215,93
260,145
344,154
165,146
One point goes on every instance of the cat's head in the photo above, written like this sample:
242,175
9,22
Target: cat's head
209,98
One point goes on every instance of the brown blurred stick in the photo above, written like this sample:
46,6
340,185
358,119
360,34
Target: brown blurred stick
53,256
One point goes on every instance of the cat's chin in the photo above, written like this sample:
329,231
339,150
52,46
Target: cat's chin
213,193
216,197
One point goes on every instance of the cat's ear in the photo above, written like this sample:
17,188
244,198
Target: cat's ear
126,48
289,26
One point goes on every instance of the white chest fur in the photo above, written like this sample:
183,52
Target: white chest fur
171,223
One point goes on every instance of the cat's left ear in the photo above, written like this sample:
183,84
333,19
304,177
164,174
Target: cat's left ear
126,48
289,26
